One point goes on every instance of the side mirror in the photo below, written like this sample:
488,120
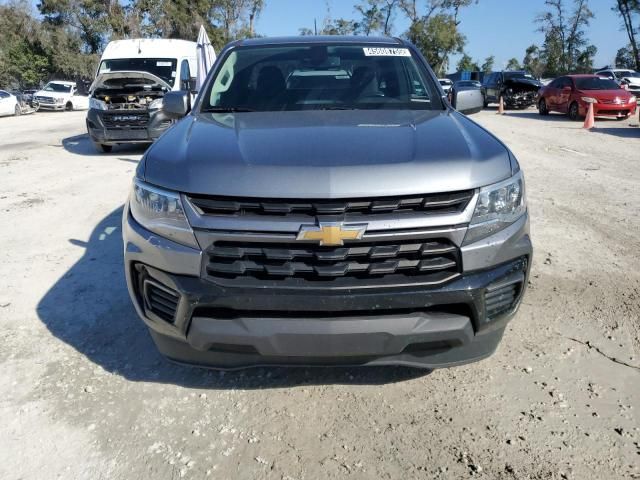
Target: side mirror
468,101
192,84
176,104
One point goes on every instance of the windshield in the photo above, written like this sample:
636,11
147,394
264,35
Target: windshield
320,77
164,68
626,73
595,83
509,75
57,87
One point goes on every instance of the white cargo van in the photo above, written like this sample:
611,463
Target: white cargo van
126,96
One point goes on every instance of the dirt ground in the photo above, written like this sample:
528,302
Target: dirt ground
85,395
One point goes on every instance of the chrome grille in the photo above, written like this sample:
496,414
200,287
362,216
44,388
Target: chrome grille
43,99
126,119
440,203
431,261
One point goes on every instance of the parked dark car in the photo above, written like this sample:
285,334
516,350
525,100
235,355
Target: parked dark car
517,88
572,95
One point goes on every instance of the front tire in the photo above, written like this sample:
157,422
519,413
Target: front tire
574,111
68,107
542,107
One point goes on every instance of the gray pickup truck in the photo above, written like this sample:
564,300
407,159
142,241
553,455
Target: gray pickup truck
322,203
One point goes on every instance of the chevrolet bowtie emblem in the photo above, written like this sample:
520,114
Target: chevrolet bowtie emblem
331,234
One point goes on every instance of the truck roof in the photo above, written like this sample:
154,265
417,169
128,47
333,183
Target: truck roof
149,48
62,82
319,39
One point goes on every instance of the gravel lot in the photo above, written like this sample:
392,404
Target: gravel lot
85,395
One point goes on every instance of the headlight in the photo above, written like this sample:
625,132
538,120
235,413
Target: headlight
633,99
97,104
59,100
589,99
498,206
156,104
161,212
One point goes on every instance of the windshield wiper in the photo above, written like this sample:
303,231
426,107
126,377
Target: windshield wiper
227,110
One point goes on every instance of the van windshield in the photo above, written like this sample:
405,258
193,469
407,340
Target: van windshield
320,77
163,68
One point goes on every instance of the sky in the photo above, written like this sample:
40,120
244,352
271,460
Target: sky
503,28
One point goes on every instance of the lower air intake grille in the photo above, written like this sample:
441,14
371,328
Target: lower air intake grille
160,300
501,299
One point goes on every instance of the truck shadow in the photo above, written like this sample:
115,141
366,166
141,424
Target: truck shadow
82,145
89,309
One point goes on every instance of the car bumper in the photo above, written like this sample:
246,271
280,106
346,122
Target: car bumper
112,133
221,327
52,106
610,110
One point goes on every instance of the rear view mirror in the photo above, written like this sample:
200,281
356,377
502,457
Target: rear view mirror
468,101
176,104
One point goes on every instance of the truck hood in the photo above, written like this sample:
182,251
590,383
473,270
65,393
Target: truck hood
632,80
45,93
325,154
110,79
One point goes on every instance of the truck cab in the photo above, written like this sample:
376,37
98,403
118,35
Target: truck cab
132,78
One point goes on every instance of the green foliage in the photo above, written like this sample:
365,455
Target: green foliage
487,66
624,58
532,62
466,64
513,64
437,38
372,14
565,48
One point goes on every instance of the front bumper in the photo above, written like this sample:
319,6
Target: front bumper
125,130
621,110
222,327
52,106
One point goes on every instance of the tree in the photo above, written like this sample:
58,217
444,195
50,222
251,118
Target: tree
565,32
627,9
372,16
437,38
466,64
532,62
624,58
584,62
487,66
388,11
513,64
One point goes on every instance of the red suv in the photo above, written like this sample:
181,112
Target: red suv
572,94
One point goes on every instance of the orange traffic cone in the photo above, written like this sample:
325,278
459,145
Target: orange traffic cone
589,121
501,106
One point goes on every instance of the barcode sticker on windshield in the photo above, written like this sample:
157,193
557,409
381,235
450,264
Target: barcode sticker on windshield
386,52
163,64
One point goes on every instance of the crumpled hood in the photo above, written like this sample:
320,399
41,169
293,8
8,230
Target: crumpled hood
104,79
524,82
326,154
